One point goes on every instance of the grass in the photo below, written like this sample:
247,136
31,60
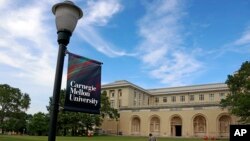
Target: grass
95,138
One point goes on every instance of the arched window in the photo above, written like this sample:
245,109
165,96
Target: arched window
199,125
155,125
224,123
135,125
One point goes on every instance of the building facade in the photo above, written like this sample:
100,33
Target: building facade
189,111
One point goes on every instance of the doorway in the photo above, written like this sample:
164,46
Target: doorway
177,130
176,126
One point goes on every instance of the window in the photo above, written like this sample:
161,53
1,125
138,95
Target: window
211,97
201,97
173,98
156,99
182,98
112,103
134,94
135,102
191,97
144,99
120,92
199,124
112,93
120,103
222,95
165,99
224,124
139,103
135,125
155,125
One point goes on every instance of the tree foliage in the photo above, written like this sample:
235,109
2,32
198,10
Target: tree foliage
12,103
17,122
106,109
38,124
80,123
238,101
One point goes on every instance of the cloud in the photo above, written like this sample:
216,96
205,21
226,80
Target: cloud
96,14
244,39
25,41
27,53
100,12
239,45
28,47
90,35
162,47
175,71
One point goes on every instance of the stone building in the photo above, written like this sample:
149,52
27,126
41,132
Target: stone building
188,111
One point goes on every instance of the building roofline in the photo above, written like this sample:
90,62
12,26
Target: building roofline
123,83
188,89
170,90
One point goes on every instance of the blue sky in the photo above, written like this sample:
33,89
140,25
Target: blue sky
151,43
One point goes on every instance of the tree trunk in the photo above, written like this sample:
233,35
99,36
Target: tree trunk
64,131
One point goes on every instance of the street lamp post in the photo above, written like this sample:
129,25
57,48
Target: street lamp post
67,14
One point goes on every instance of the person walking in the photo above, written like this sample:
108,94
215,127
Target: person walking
151,137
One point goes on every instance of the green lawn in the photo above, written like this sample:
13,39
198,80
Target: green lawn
95,138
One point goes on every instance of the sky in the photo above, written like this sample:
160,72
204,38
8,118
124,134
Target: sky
151,43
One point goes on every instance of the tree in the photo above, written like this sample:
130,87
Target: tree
238,101
106,109
83,121
38,124
12,101
17,122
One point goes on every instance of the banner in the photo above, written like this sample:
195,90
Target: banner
83,85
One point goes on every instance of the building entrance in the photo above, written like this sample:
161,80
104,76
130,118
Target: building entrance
176,126
177,130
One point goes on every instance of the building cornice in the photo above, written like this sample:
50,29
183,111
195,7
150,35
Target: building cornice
170,90
123,83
